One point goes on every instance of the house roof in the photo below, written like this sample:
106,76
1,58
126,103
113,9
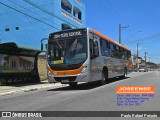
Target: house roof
14,49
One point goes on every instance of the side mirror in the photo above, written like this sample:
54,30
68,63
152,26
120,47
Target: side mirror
46,46
42,42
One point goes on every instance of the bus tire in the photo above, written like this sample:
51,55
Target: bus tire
73,84
124,74
104,76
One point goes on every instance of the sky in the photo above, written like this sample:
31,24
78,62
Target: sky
141,16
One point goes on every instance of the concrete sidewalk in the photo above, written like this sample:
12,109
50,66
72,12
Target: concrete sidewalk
27,87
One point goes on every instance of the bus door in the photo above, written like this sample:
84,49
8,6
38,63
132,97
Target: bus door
94,57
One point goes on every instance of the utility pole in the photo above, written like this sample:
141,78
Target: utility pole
120,30
137,56
145,57
137,50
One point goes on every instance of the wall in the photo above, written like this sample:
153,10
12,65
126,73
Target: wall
34,20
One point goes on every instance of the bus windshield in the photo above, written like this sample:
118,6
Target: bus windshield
67,52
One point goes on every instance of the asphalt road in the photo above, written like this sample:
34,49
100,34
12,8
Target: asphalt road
86,97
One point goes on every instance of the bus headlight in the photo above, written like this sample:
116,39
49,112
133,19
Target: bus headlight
84,69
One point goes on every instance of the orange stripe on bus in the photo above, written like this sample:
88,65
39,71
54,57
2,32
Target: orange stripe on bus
66,72
108,39
135,89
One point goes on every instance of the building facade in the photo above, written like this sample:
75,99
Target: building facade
17,63
27,22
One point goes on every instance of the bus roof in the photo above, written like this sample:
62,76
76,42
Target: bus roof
109,39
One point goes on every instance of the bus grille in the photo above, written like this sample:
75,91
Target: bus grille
71,79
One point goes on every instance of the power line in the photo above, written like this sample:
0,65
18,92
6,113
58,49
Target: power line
28,15
32,12
114,13
149,42
155,36
151,37
117,13
46,11
113,10
142,41
111,14
106,9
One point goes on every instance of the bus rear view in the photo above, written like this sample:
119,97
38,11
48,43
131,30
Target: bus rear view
67,56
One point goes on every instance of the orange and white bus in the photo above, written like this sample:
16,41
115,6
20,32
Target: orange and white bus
85,55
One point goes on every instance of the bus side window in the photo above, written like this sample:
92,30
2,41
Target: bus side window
125,55
104,48
116,51
129,55
121,56
111,50
108,47
94,51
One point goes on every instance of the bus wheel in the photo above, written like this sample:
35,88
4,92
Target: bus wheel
73,84
104,77
125,74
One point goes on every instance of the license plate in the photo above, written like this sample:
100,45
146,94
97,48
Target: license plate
64,81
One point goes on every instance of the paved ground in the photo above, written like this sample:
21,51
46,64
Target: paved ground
87,97
20,88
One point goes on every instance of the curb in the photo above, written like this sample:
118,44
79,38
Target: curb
29,89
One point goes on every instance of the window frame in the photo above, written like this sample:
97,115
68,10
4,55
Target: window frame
103,41
93,48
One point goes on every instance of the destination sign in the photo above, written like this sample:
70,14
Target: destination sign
66,34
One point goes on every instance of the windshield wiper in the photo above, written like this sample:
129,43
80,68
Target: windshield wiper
60,46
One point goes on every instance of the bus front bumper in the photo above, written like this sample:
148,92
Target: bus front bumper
65,79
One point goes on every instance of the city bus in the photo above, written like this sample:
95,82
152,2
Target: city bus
85,55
